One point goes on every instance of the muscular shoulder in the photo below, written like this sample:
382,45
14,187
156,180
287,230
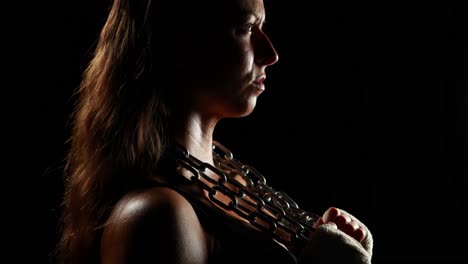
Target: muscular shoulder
153,225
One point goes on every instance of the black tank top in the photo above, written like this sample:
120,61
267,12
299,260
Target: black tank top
233,241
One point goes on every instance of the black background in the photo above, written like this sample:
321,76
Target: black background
365,110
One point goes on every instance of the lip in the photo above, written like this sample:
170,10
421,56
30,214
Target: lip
260,83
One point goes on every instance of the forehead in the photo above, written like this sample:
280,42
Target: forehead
192,13
247,6
236,10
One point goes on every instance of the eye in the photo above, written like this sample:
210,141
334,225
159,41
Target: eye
247,28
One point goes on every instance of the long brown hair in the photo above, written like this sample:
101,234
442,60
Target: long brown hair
120,129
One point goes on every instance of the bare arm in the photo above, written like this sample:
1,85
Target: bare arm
154,226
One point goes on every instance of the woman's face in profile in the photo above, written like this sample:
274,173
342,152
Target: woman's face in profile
230,58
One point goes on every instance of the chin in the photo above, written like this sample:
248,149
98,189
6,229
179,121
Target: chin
246,108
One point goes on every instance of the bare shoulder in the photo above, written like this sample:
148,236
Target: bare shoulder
153,225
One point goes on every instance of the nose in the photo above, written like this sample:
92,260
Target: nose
265,53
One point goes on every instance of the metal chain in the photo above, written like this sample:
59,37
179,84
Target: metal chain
249,196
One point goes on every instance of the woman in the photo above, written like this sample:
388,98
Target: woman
144,183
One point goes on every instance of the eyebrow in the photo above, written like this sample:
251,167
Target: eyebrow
246,12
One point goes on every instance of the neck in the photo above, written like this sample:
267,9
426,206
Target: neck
195,133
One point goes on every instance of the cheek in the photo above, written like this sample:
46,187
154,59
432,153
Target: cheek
247,60
232,62
242,58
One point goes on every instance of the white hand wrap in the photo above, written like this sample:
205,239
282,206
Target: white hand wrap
331,245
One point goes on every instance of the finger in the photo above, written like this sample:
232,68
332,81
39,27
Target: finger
342,220
331,214
359,234
318,222
349,228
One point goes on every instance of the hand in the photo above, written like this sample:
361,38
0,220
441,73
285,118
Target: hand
345,222
338,238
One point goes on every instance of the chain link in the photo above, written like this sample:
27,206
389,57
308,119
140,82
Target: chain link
249,196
